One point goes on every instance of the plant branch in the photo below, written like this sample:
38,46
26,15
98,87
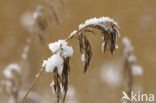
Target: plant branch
32,84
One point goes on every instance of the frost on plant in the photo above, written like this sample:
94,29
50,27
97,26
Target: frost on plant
109,29
59,64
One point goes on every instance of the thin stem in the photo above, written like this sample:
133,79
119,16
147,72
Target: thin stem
70,37
32,84
130,81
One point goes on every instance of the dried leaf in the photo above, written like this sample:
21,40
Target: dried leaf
57,84
65,73
85,48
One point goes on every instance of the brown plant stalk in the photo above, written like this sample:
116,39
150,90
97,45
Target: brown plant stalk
109,30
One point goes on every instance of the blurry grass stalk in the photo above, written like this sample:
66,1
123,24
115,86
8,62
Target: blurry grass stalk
33,82
131,68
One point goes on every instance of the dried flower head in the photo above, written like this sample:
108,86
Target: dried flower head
38,21
59,64
109,29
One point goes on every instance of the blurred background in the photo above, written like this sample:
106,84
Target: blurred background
136,18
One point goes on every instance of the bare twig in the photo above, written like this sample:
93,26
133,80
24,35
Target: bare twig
32,84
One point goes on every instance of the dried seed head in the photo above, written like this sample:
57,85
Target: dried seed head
85,49
57,83
109,30
65,74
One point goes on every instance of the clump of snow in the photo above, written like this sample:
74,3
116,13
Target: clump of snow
111,75
137,70
62,48
9,69
83,57
98,21
127,46
54,61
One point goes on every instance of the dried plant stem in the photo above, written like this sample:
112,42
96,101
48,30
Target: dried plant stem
32,84
76,33
130,82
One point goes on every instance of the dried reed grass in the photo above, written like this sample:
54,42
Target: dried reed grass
109,30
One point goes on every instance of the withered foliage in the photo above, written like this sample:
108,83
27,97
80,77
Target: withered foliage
128,73
44,14
65,74
61,82
14,87
129,62
109,37
109,32
57,84
52,11
85,49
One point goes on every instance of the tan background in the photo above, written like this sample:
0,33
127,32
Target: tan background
136,18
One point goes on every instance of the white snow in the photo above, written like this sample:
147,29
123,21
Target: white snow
103,44
54,61
116,46
98,21
137,70
8,70
127,46
62,48
52,86
25,51
73,33
83,57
